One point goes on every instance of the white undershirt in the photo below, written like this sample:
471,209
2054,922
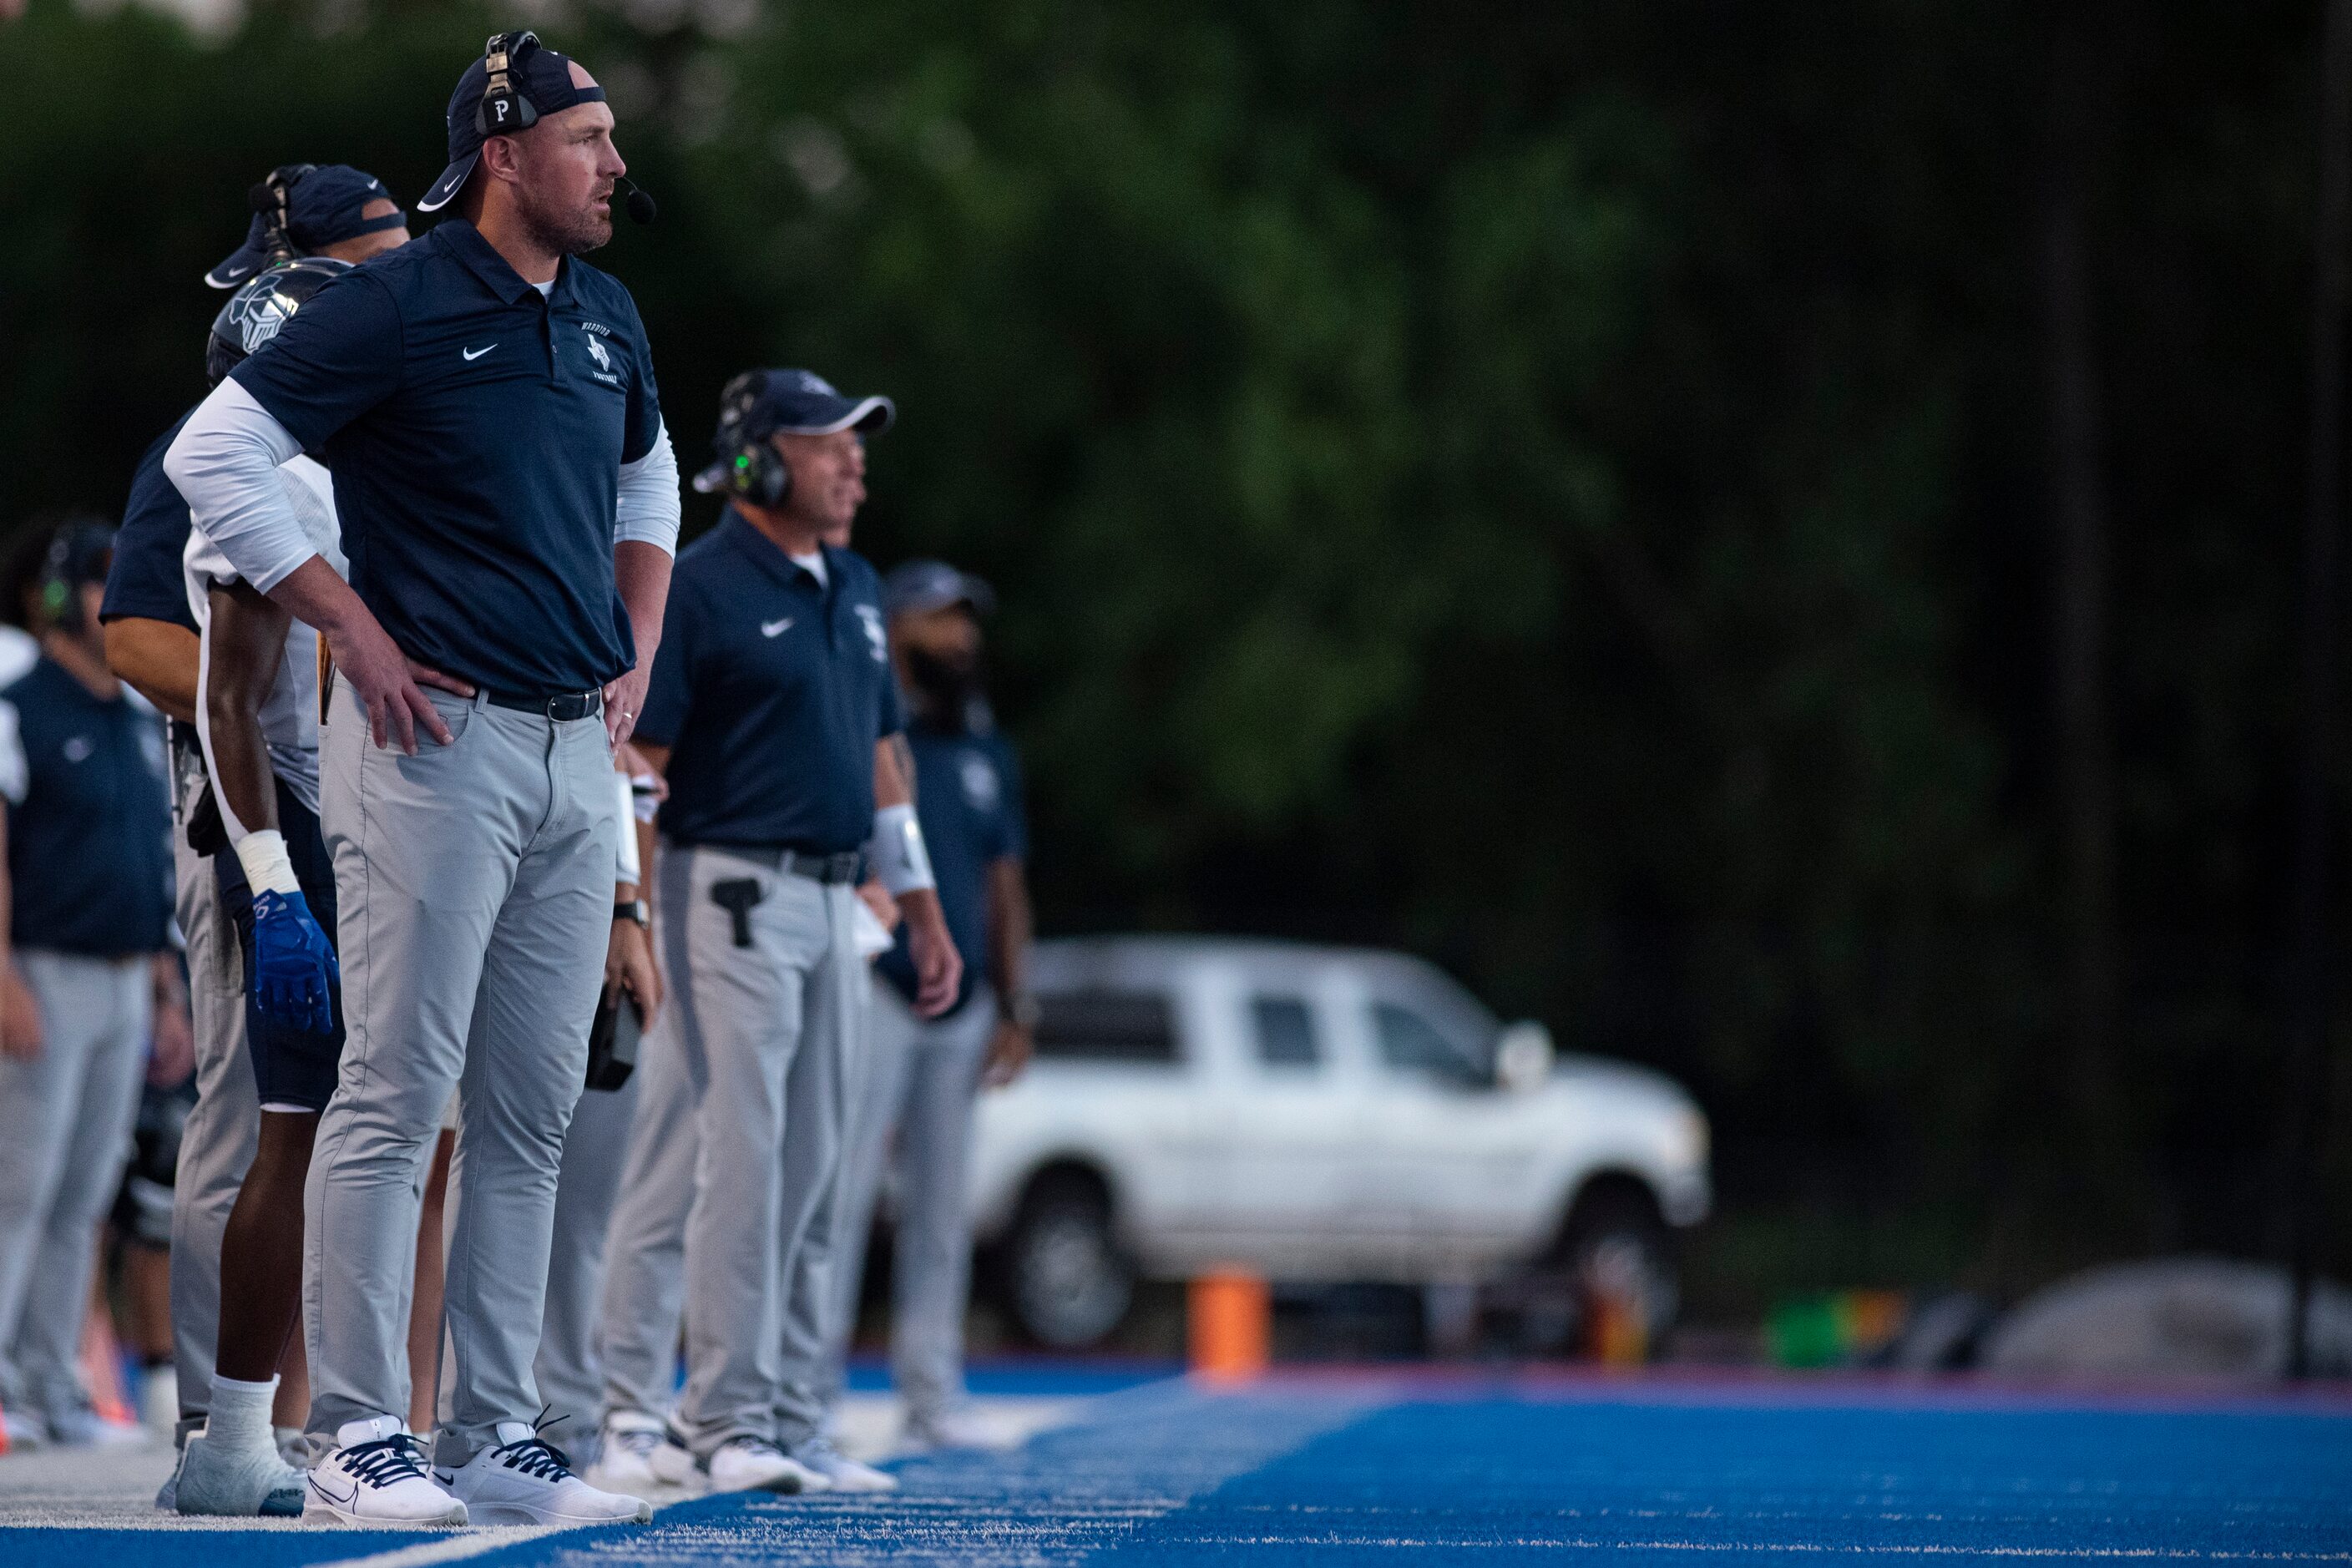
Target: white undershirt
812,563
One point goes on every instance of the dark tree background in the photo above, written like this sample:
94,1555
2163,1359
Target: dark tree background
1764,537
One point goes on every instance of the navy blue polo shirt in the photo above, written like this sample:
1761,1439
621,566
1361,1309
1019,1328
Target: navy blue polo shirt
771,690
90,819
476,432
968,798
144,580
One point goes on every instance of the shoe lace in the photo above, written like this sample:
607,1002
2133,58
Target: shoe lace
386,1460
534,1454
638,1439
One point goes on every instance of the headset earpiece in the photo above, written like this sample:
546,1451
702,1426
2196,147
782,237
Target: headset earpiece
58,600
504,110
755,471
273,198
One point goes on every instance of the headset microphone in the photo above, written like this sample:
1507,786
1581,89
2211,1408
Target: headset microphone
641,206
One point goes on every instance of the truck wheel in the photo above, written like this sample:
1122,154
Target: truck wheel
1068,1284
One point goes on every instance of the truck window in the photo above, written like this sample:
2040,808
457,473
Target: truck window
1410,1044
1106,1027
1285,1032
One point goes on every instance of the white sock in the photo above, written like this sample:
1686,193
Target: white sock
239,1417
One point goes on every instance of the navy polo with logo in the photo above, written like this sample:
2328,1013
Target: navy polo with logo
968,798
144,580
771,690
475,431
89,820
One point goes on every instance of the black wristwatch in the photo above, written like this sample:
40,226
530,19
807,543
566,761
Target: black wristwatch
632,909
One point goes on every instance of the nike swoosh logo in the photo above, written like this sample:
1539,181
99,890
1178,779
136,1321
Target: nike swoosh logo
775,628
324,1492
473,355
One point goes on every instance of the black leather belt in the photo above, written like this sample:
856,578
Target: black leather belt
833,869
568,706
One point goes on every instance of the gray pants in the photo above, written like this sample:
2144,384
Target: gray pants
65,1136
476,888
569,1371
772,1030
217,1144
915,1111
644,1286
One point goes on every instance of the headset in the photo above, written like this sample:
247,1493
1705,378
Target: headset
59,590
750,469
273,198
504,110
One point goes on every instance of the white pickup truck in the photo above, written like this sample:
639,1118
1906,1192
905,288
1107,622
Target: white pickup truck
1315,1114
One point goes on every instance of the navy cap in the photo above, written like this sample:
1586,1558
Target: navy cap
914,586
540,74
758,403
326,204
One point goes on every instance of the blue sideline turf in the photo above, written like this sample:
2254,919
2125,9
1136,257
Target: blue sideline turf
1334,1471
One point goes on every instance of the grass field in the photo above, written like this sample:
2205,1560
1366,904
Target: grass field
1347,1467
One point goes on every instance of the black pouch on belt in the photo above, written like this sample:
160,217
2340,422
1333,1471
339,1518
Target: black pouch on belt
737,899
613,1041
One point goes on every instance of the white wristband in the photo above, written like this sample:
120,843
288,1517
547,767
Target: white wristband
267,868
898,852
628,871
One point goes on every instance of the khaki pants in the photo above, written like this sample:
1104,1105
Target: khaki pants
475,884
772,1028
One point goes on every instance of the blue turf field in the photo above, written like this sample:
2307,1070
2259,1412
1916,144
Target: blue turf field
1342,1470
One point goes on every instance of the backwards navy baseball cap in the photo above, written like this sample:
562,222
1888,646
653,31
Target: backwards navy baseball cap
326,204
538,73
913,587
758,403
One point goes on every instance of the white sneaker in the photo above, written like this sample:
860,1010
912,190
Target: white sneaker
225,1481
376,1475
959,1428
756,1465
23,1430
673,1462
83,1427
167,1496
631,1439
841,1473
524,1480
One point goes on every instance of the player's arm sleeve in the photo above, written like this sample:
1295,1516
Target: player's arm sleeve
16,774
648,510
670,688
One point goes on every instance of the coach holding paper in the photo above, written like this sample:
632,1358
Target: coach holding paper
508,499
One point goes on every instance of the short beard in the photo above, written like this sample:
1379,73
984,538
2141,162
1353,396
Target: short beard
560,233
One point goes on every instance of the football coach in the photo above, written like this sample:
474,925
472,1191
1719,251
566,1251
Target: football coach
486,403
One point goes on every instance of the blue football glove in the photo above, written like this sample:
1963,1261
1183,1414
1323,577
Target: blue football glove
292,963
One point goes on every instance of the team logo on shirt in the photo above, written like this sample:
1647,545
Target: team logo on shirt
596,332
979,782
874,633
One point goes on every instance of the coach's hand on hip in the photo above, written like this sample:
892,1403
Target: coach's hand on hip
389,684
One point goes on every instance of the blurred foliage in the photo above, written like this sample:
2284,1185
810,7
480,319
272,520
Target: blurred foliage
1559,487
